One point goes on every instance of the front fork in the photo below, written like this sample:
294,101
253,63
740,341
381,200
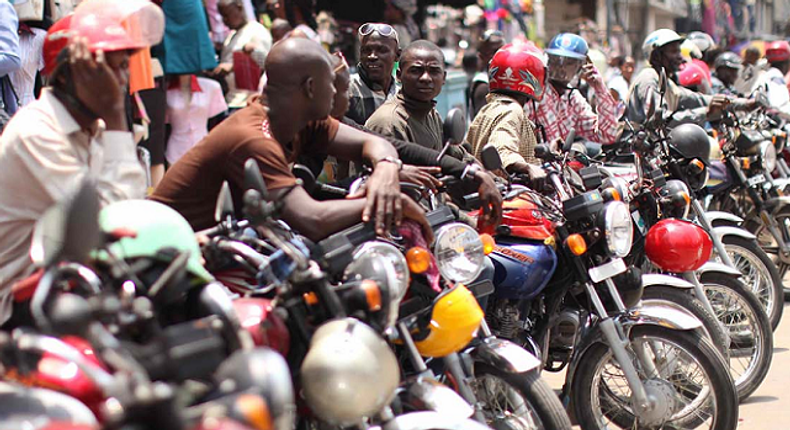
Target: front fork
618,342
717,243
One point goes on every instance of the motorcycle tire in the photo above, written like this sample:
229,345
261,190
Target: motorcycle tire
544,405
768,243
686,299
752,262
587,390
736,305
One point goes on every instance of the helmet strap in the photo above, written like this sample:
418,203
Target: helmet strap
66,93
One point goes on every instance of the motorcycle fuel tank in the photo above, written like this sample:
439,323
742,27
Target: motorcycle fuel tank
522,270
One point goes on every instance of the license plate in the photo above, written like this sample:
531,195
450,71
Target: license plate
755,180
607,271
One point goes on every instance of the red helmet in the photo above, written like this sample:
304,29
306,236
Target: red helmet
108,25
677,246
777,51
520,68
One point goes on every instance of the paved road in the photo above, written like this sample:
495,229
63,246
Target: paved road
769,407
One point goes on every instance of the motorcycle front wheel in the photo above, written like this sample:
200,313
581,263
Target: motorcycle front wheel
517,400
760,274
751,337
690,384
769,243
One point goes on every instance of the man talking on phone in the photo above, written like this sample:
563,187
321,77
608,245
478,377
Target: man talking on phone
563,108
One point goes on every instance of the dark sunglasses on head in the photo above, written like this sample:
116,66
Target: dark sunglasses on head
385,30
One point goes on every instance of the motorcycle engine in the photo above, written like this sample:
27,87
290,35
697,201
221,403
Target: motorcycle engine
562,339
503,319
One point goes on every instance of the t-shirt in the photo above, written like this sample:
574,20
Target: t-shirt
192,185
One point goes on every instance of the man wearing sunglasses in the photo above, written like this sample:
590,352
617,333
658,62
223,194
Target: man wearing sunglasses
373,84
488,44
563,108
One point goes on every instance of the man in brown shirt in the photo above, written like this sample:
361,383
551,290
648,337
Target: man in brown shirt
299,97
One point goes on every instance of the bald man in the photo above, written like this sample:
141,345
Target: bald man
299,95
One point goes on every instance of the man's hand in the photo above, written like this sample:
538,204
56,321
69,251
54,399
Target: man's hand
222,70
248,48
590,74
490,198
415,212
717,105
421,175
383,197
96,85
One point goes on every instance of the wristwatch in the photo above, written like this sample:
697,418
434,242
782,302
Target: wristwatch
391,159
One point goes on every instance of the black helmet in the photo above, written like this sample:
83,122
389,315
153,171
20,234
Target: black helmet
728,59
675,198
690,141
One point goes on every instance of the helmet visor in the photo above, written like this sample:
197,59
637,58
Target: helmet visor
119,25
563,69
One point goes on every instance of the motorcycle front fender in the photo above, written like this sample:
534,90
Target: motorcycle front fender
723,231
429,420
713,267
781,183
712,216
774,205
504,355
429,394
658,280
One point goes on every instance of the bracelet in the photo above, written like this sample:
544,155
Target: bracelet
391,159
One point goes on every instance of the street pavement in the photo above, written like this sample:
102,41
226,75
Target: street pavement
769,407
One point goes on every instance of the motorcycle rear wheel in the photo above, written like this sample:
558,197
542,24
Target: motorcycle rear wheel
502,393
710,403
751,337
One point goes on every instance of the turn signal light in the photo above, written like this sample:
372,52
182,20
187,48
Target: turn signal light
488,243
698,164
255,411
686,197
745,163
419,259
576,244
310,298
610,194
372,294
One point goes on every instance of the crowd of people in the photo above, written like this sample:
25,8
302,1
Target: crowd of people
111,75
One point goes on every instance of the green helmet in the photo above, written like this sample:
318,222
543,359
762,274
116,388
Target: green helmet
156,226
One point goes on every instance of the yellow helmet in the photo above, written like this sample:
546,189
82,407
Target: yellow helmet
455,319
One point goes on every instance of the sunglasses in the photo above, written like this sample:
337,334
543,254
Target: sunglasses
488,34
385,30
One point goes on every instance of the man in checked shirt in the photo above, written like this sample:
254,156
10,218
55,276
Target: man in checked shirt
563,109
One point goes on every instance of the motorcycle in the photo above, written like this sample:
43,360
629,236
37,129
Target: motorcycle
633,354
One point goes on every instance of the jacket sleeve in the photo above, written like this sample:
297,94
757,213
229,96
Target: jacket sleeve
113,165
601,126
505,138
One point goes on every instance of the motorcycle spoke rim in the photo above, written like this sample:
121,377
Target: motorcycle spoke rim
755,275
500,401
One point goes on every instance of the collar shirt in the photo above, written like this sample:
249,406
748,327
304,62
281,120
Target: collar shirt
688,106
44,157
558,114
410,120
503,123
31,46
363,100
188,115
776,90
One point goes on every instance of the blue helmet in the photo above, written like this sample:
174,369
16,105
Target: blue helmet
568,45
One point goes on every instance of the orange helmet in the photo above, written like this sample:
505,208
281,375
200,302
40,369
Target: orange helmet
108,25
518,68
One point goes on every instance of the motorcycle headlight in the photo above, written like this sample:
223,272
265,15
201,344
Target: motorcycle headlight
385,264
768,156
618,229
459,253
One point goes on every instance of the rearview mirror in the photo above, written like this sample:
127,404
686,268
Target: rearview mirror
306,175
662,82
454,126
68,230
566,146
224,207
490,158
253,180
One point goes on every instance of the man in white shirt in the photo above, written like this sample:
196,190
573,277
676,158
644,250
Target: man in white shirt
31,43
245,35
772,83
76,130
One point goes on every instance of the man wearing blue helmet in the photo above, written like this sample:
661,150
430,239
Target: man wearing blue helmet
563,109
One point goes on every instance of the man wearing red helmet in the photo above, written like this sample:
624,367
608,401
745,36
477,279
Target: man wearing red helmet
516,76
772,82
77,128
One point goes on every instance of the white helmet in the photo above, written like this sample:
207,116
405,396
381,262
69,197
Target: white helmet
658,39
